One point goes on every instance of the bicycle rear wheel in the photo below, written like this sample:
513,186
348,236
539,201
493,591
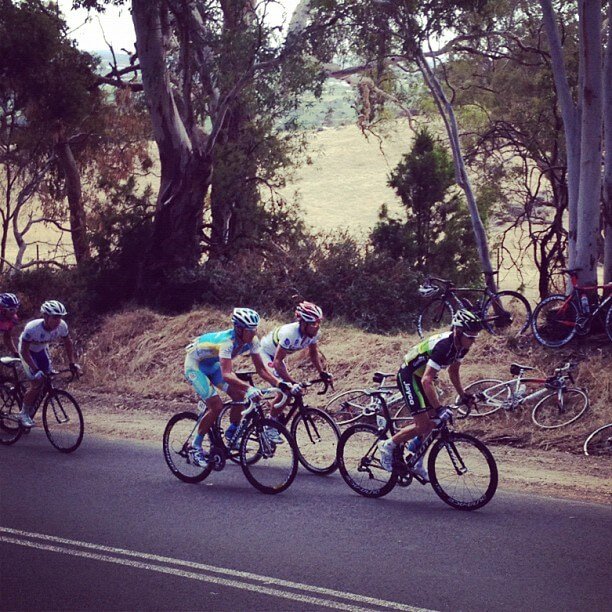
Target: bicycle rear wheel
462,471
178,435
316,437
277,464
506,314
490,393
560,408
10,429
359,462
599,442
63,421
554,321
434,316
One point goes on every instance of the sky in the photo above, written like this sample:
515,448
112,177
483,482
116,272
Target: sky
91,29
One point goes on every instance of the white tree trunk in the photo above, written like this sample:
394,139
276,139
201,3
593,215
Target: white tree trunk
448,115
589,193
607,187
570,114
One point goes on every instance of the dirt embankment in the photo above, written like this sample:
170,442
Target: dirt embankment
134,383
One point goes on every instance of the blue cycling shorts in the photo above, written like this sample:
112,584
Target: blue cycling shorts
41,361
204,376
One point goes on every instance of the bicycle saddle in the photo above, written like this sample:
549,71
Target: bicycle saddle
380,376
246,375
10,362
516,368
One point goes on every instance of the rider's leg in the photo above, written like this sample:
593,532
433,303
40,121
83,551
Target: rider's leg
43,364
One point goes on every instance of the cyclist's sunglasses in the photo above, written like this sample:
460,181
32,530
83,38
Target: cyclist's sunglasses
471,335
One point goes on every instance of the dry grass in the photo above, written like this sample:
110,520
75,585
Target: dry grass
141,353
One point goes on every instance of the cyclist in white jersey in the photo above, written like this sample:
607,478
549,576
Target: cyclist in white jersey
293,337
34,351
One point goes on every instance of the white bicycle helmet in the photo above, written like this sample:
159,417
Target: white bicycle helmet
53,307
308,312
245,317
427,291
467,321
9,300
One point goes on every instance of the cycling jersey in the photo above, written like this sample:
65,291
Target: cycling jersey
202,360
9,323
439,352
288,337
39,338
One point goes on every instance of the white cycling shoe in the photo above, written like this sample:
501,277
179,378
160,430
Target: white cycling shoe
25,419
272,435
385,451
421,471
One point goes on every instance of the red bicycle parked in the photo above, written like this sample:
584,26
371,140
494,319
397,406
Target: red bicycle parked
558,318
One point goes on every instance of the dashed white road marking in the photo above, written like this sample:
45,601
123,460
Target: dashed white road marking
247,581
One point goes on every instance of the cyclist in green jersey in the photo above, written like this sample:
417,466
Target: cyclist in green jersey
416,380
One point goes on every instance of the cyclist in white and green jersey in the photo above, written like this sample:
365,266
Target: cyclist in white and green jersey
417,376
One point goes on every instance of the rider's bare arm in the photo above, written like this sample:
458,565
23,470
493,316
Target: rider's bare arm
9,342
315,357
230,377
455,378
428,382
279,364
25,354
69,347
263,370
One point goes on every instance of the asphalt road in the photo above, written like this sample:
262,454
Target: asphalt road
110,528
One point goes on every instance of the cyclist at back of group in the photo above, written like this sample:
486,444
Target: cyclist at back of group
290,338
416,380
9,305
208,367
34,352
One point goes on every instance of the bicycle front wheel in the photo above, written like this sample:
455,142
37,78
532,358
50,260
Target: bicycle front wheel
462,471
63,421
10,429
599,442
506,314
277,463
490,394
434,316
176,443
560,408
316,437
359,462
554,321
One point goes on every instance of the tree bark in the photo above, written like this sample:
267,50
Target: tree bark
607,181
448,115
589,193
570,114
78,218
185,163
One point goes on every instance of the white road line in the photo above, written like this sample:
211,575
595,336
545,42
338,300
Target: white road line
267,580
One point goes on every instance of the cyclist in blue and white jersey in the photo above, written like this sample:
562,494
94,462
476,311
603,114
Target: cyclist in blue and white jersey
208,367
416,380
286,339
34,351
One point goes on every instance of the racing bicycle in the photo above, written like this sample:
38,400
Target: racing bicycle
314,431
559,318
269,467
599,442
461,469
354,405
504,313
559,404
61,415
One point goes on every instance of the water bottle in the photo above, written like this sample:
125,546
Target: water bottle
381,422
584,302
